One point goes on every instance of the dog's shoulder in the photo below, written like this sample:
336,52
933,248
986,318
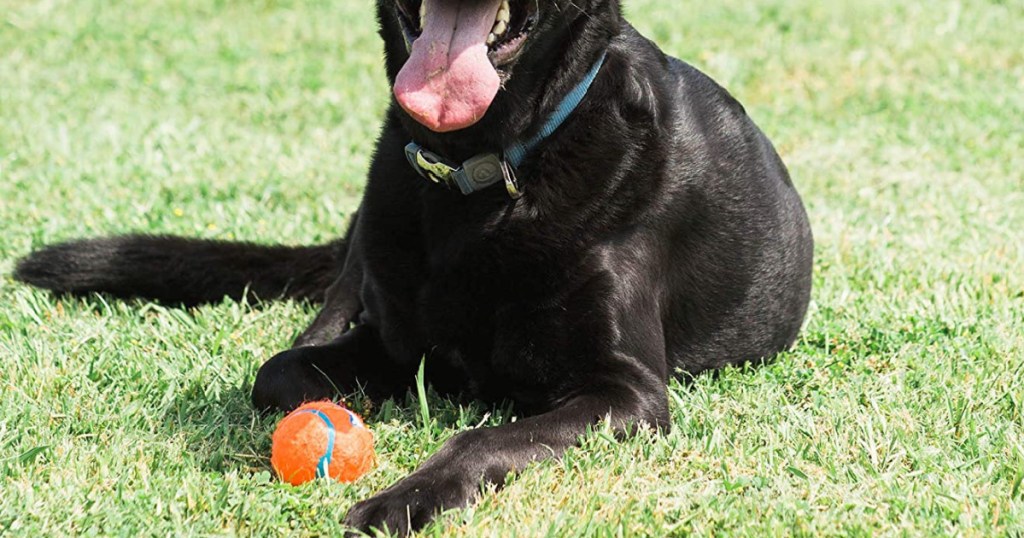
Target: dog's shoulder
662,85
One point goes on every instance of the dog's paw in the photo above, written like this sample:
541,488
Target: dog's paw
290,379
410,504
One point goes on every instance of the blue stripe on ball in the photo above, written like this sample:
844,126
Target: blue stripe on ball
324,464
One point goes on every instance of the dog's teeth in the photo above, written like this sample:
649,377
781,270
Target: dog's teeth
423,12
501,22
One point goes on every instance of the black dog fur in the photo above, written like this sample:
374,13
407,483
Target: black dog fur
659,232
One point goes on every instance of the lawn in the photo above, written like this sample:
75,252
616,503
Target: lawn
900,411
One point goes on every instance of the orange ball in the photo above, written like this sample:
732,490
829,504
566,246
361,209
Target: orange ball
321,439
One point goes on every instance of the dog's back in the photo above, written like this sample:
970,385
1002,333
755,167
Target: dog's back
752,247
727,229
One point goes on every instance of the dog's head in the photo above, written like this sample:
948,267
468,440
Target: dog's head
471,73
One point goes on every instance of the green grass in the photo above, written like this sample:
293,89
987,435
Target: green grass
899,412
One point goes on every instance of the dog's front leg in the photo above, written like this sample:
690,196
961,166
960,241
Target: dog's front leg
341,307
342,302
472,459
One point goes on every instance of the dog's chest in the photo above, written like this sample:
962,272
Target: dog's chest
464,289
455,314
473,310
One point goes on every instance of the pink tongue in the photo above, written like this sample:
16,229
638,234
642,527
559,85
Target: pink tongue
448,82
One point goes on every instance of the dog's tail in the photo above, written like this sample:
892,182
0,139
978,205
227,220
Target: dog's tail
183,271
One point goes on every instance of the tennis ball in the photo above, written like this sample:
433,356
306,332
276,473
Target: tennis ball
321,439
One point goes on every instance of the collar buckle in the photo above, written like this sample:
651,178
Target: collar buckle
429,165
475,174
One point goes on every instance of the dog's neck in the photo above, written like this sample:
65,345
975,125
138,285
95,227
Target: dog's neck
487,169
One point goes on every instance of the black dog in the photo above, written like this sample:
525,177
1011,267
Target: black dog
623,219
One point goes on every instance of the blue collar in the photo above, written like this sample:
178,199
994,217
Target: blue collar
489,168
